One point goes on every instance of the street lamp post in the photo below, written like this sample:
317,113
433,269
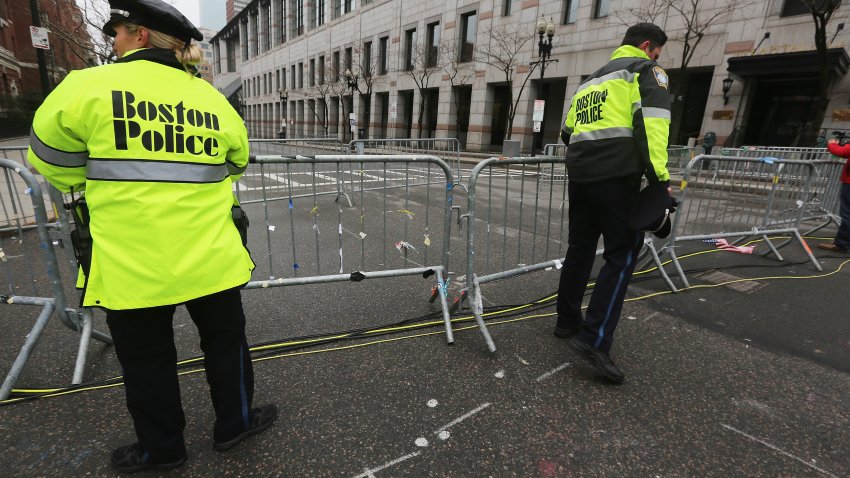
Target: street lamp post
544,53
284,104
351,80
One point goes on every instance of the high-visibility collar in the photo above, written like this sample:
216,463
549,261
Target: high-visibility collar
628,51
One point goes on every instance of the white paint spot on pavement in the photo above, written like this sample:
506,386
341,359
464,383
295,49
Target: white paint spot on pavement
776,449
500,374
631,317
444,435
432,403
553,371
521,360
421,442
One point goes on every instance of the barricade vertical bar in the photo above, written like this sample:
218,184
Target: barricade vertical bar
266,217
291,208
549,213
427,212
362,220
504,217
315,213
339,219
536,209
384,215
521,207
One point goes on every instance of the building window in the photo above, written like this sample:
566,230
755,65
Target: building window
469,27
409,49
243,40
383,51
506,7
367,59
570,12
348,58
267,26
280,24
301,74
320,12
312,72
297,17
348,6
292,77
230,45
322,70
337,73
792,8
433,50
283,78
365,2
341,7
600,8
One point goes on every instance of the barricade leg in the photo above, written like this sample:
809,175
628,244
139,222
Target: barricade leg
477,310
678,267
26,350
441,291
808,250
773,249
650,247
85,339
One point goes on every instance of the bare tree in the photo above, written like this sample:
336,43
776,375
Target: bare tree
365,66
338,88
822,11
459,75
82,33
421,67
503,53
324,91
696,22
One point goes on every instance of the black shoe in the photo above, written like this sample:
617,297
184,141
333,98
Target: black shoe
133,458
263,418
565,332
600,360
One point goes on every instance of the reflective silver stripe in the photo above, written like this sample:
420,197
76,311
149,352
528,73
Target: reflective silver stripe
601,134
625,75
234,169
57,157
649,112
635,107
154,171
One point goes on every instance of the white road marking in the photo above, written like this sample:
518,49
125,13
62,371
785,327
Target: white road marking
774,448
421,442
522,360
461,418
553,371
432,403
370,472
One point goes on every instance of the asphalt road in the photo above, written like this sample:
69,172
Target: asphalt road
721,381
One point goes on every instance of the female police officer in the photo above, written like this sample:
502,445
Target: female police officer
156,150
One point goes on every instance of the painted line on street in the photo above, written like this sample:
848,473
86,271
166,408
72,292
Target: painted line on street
553,371
370,472
777,449
461,418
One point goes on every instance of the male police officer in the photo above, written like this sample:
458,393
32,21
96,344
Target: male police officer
618,121
156,150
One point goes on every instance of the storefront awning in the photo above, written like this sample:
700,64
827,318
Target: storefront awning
797,64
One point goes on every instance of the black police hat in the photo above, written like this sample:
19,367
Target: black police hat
154,14
652,210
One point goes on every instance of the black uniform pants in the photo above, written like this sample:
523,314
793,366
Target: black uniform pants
144,343
599,208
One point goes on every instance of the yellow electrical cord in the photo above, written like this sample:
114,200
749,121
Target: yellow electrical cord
54,392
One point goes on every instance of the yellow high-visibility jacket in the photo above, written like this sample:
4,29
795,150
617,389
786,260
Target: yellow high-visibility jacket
156,152
619,119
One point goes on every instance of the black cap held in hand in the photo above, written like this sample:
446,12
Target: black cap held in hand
154,14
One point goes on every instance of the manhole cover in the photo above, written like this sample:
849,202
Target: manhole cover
731,281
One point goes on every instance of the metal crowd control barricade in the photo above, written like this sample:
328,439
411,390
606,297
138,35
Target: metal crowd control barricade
517,223
446,148
678,158
29,265
740,198
400,215
249,188
555,149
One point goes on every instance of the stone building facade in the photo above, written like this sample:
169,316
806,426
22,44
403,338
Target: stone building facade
288,55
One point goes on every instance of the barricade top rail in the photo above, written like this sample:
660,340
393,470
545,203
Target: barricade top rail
351,158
